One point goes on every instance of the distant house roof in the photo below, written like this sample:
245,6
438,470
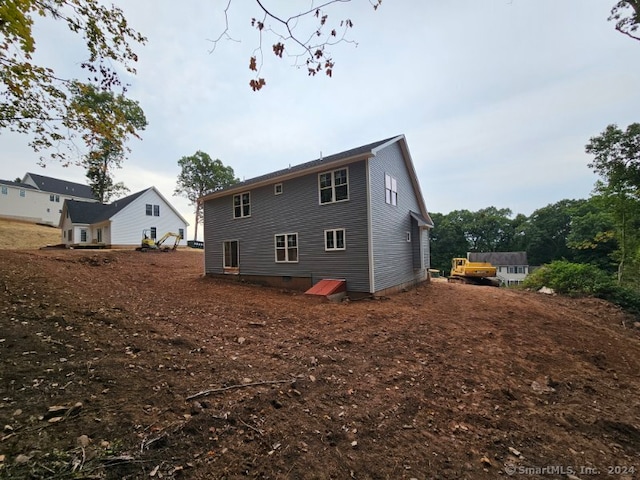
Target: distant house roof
17,184
62,187
364,151
90,212
499,258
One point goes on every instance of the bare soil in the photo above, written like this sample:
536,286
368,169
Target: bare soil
128,365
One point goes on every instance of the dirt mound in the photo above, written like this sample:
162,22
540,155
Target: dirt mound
120,364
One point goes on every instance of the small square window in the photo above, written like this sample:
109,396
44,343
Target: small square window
277,189
334,239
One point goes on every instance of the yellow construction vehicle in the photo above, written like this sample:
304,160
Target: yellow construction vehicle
149,244
475,273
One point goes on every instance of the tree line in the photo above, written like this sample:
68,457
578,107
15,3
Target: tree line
602,231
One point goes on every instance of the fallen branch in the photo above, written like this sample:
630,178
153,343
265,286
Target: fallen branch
204,393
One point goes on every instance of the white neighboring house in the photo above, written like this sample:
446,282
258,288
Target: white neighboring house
120,223
39,199
512,267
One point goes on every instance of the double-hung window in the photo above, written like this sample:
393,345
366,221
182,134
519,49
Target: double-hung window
334,240
390,190
242,205
156,210
149,209
287,248
334,186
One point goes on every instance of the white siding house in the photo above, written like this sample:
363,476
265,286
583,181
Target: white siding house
121,223
39,199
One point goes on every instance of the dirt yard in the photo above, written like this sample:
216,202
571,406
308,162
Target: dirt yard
127,365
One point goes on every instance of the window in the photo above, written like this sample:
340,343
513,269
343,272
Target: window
58,198
156,210
4,190
181,233
408,236
334,186
287,248
390,190
148,209
23,193
231,254
277,189
52,197
153,232
334,239
70,235
99,235
83,235
242,205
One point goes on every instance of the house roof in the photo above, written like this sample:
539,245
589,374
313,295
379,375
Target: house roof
17,184
353,154
499,258
90,212
62,187
332,161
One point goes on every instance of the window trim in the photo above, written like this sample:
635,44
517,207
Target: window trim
241,205
286,247
277,191
333,186
335,248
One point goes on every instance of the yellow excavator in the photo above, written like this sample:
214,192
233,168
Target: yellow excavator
474,273
148,244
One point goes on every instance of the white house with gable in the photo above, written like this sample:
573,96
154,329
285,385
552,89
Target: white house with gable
39,199
120,223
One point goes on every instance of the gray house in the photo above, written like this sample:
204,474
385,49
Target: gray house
356,216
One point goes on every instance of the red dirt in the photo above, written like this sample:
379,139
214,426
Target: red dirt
444,381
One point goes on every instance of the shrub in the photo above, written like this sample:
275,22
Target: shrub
570,278
583,279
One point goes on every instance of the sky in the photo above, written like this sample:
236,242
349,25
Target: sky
497,98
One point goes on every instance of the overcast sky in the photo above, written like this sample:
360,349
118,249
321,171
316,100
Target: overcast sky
497,98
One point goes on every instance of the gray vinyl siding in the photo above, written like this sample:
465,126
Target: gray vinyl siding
296,210
393,257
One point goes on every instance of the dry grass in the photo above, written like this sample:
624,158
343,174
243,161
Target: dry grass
17,235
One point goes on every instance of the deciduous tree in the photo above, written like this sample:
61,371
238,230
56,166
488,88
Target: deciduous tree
626,14
34,98
200,175
617,161
105,122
